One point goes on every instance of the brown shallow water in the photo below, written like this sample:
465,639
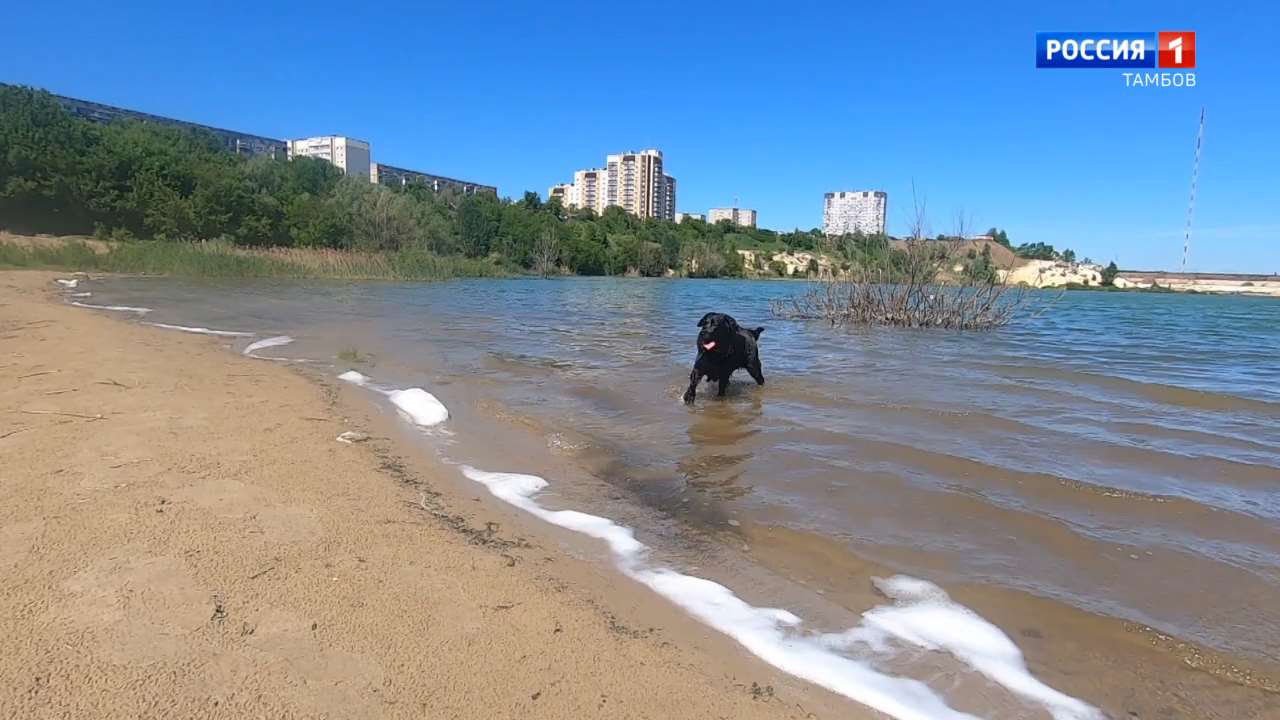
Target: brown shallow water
1103,483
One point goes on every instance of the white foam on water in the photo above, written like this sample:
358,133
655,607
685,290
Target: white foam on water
201,331
925,616
117,308
68,283
419,406
354,377
80,294
922,616
266,343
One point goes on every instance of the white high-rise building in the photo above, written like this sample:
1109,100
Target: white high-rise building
633,181
741,217
347,154
855,211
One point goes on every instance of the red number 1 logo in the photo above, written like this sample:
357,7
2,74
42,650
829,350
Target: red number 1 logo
1177,50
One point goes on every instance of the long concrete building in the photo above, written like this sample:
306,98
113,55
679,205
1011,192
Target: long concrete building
239,143
384,174
354,157
634,181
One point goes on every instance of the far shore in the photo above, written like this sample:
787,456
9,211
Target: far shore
220,260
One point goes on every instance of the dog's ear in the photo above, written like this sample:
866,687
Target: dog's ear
733,324
705,318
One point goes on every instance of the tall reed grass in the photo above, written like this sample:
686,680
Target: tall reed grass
217,259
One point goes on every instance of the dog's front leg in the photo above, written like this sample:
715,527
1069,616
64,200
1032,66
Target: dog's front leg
724,385
694,378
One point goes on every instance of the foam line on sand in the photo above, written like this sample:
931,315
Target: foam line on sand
276,341
201,331
922,615
117,308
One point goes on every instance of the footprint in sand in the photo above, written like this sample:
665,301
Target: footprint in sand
137,608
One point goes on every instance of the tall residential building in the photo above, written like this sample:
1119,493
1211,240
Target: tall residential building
854,211
347,154
383,174
669,198
741,217
589,186
633,181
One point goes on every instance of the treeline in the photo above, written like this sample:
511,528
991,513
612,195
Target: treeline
63,175
1033,251
134,180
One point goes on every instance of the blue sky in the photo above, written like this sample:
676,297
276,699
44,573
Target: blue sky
770,103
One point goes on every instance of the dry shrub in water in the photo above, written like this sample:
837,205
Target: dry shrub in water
913,295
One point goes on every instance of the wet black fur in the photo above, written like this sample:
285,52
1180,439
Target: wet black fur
735,348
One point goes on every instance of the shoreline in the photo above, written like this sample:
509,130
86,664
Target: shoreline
1012,612
208,548
220,261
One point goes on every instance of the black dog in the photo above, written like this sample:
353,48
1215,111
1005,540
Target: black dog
722,348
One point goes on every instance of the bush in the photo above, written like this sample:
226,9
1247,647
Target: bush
911,296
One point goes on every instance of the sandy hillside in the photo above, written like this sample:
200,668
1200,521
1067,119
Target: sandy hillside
181,536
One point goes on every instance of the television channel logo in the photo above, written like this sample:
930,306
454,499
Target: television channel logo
1165,49
1178,50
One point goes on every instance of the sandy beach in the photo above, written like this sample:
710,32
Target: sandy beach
181,536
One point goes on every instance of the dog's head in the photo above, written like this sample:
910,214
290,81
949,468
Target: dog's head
715,333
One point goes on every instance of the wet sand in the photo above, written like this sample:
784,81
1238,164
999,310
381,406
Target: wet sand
181,536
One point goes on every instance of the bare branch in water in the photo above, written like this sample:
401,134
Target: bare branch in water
911,295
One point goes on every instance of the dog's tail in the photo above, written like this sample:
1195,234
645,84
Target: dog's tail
756,332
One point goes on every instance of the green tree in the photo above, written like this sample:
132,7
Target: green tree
981,269
1036,251
1109,274
477,224
1000,237
43,165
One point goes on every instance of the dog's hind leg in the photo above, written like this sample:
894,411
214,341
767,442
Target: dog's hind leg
757,373
724,385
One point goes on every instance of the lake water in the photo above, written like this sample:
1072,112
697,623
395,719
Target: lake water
1119,454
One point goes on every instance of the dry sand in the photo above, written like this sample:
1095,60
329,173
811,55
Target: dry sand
181,536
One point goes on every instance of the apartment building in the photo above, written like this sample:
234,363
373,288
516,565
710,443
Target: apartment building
349,155
383,174
633,181
854,211
681,217
742,217
668,199
566,193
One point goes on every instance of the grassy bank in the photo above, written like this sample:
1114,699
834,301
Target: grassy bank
214,259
